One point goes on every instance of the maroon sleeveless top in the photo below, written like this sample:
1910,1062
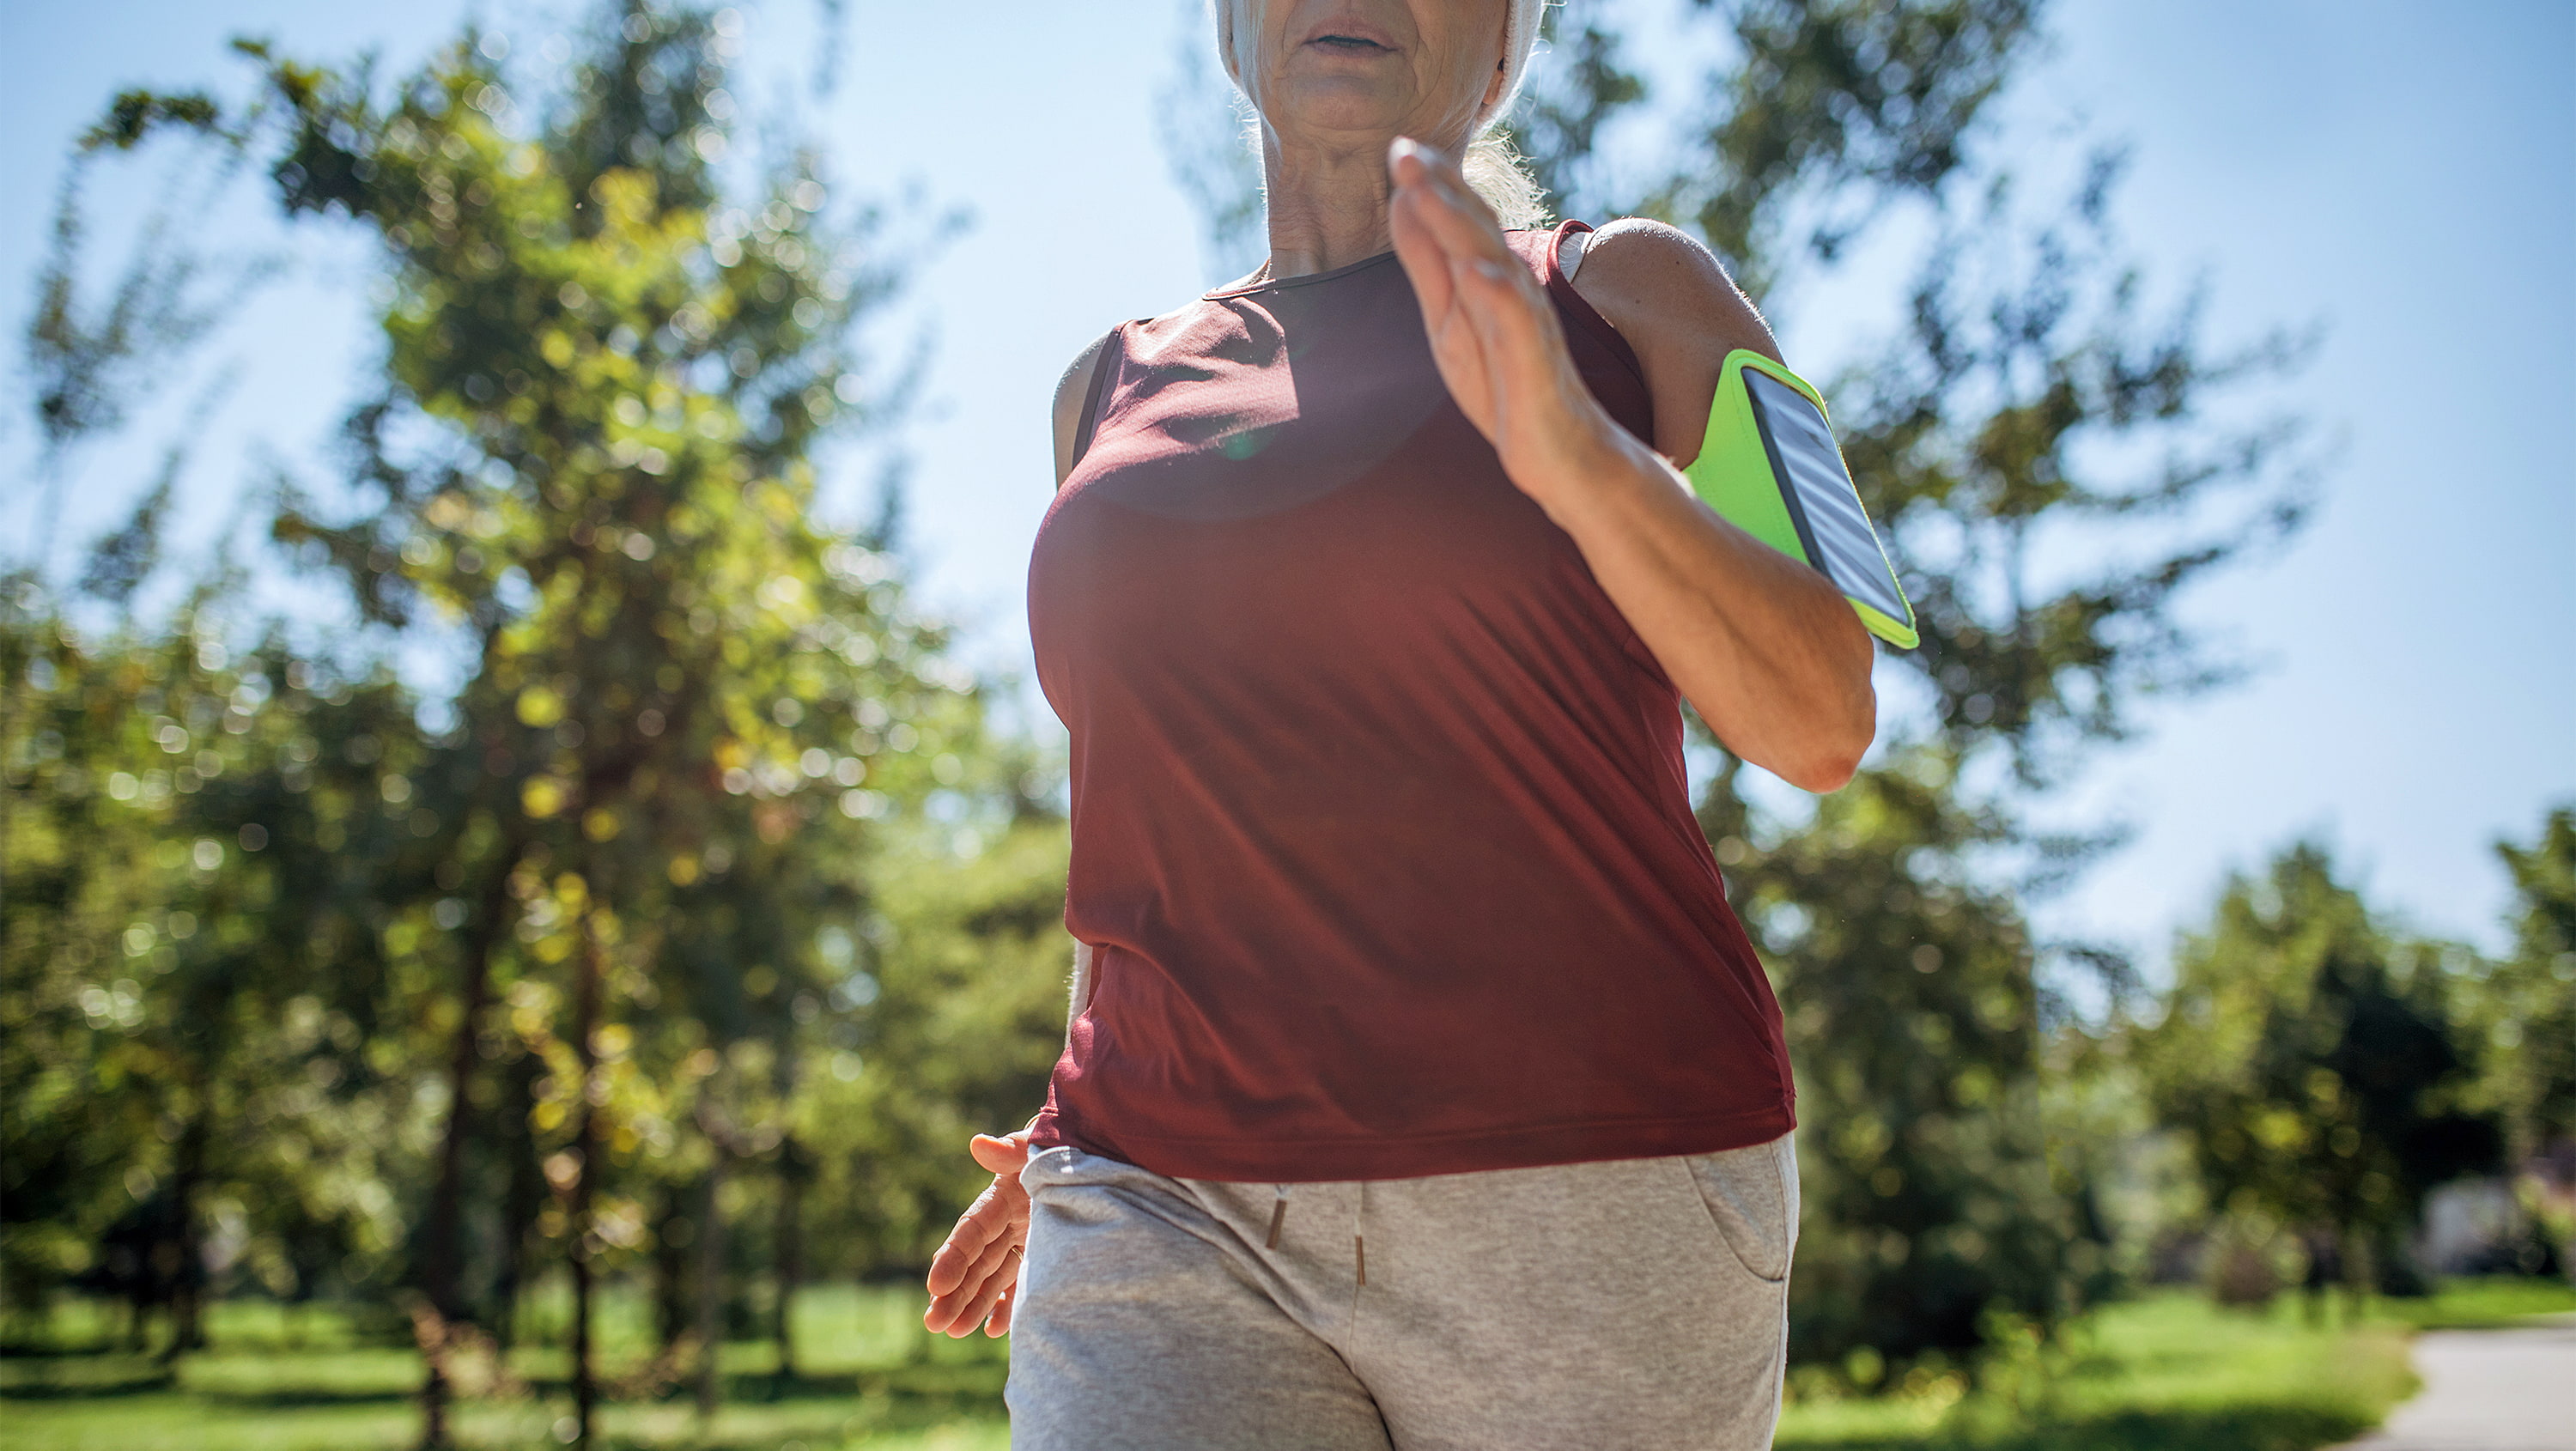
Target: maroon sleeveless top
1380,831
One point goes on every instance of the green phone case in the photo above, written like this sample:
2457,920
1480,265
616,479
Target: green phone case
1735,474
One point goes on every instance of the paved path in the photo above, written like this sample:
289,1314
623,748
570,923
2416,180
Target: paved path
2488,1390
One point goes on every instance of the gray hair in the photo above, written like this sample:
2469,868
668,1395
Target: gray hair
1494,169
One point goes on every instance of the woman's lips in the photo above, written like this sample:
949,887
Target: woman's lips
1350,34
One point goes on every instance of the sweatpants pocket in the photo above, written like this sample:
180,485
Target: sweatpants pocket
1751,1196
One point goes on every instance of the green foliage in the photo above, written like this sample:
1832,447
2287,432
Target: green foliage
1848,97
710,888
1930,1202
196,950
969,1004
2160,1374
691,702
2312,1062
2524,1010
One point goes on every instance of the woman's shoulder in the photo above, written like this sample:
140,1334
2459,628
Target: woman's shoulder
1073,390
1681,313
1072,402
1652,278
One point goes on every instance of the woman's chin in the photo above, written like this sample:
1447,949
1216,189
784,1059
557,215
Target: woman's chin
1337,106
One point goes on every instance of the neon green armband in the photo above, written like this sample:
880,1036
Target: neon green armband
1770,467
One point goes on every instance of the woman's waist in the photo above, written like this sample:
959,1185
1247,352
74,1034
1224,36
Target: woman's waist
1458,1052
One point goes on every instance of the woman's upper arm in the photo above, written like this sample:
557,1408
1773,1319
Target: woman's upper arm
1072,391
1673,302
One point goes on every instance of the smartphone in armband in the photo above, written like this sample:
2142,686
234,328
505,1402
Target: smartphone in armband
1771,468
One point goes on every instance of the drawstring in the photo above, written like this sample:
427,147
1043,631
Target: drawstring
1359,1246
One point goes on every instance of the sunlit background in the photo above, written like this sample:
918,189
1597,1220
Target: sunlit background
2381,172
2383,188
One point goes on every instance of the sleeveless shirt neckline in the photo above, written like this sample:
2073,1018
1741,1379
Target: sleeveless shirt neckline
1327,274
1301,279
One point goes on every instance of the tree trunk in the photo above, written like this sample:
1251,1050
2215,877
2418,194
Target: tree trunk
138,1305
2358,1269
671,1271
521,1204
2318,1282
188,1264
710,1282
790,1256
442,1228
585,1384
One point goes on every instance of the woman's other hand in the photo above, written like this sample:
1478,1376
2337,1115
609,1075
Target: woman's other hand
975,1277
1493,332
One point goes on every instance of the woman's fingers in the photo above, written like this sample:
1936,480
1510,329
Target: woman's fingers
1435,214
993,1254
983,1220
1431,211
979,1260
965,1305
983,1244
999,1213
1003,1154
1492,330
992,1277
1419,249
953,1282
998,1324
1513,324
1453,211
1413,164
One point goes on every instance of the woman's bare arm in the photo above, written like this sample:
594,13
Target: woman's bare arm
1673,302
1763,646
1071,392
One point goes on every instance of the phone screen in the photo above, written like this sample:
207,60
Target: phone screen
1822,502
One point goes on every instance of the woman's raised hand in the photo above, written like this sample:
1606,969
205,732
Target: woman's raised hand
1493,331
975,1277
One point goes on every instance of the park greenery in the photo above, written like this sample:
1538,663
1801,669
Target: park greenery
588,1053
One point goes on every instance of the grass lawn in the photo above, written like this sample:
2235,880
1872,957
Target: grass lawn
2168,1371
2173,1371
869,1377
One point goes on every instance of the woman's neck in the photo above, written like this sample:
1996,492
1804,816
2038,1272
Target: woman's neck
1327,203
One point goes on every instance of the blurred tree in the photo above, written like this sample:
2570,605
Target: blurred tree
202,1019
2311,1061
1927,1182
2523,1013
962,971
689,704
1995,439
89,365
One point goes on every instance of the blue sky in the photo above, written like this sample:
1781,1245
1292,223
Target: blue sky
2397,173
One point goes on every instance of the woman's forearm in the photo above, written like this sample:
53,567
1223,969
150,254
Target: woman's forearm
1763,646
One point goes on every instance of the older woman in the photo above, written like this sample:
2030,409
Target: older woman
1421,1090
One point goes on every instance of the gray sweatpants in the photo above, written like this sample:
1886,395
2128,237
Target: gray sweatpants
1633,1303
